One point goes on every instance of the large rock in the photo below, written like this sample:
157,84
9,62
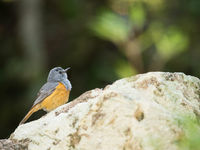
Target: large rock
136,113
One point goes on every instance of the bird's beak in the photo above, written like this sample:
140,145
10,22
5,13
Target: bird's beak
67,69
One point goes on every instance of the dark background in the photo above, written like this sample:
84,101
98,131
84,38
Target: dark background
101,40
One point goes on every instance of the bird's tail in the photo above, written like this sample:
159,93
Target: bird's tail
33,109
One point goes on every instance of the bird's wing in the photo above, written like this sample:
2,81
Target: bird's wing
46,90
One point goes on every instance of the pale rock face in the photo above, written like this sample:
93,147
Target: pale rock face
136,113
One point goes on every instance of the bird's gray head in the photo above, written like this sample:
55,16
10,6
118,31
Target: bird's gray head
57,74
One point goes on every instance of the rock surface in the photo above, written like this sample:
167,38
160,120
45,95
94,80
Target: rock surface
136,113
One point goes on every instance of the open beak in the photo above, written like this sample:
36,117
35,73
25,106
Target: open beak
67,69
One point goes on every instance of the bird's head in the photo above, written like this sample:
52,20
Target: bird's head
57,74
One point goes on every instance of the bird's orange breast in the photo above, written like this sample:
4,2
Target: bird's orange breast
59,97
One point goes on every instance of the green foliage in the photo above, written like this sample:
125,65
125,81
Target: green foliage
124,69
111,26
169,41
137,15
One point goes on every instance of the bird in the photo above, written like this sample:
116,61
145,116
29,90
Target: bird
55,92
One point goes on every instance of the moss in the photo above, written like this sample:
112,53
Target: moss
191,137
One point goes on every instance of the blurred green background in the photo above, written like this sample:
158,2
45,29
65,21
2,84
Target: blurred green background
101,41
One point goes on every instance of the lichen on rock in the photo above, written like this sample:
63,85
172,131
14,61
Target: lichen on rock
135,113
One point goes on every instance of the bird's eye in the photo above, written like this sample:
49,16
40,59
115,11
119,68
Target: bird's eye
60,72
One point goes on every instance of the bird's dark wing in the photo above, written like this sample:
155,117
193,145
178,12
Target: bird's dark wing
45,91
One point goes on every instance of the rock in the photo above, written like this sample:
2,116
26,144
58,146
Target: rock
7,144
136,113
